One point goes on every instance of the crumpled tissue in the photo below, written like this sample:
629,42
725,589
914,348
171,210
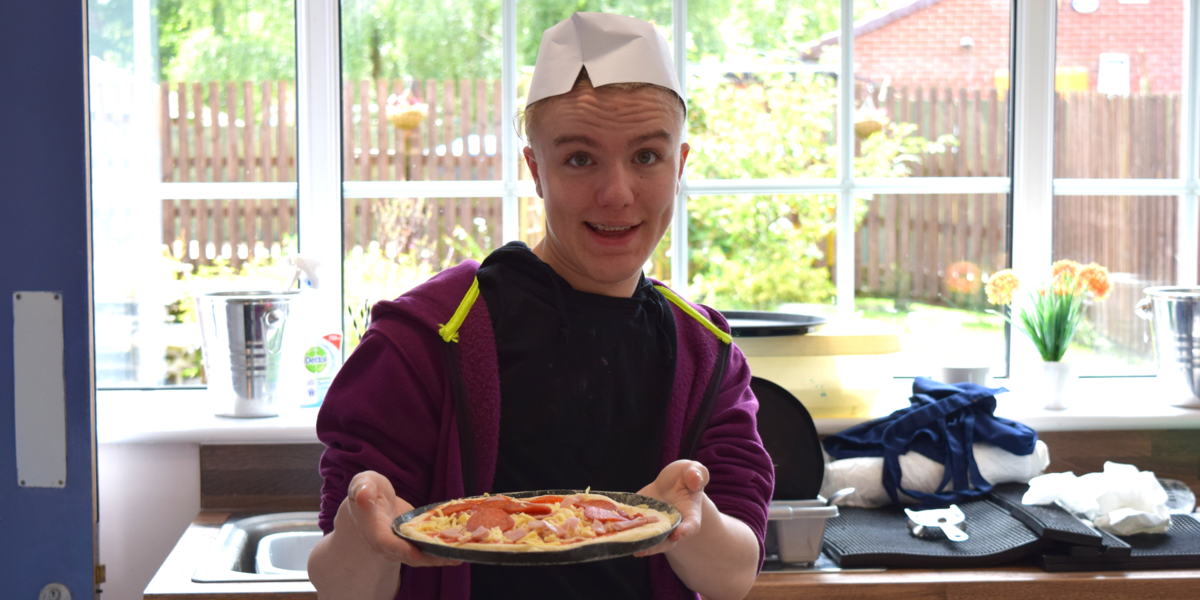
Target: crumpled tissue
1121,500
922,474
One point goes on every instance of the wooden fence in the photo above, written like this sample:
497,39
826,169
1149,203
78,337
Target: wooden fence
906,241
245,132
1102,137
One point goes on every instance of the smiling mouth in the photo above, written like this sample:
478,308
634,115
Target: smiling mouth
610,229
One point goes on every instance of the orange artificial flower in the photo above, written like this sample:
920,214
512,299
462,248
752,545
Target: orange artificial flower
1001,285
1095,278
1064,276
1070,267
963,277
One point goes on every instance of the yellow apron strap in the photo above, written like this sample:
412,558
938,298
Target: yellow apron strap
687,308
449,331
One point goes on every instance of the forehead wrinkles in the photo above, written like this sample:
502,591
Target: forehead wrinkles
608,110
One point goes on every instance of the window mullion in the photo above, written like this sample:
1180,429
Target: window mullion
1033,147
679,221
845,141
319,143
509,215
1189,238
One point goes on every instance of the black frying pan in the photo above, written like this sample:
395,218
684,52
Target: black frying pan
580,554
790,437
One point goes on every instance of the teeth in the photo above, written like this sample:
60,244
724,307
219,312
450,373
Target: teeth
599,227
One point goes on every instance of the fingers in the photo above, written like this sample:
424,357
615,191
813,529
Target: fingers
373,506
696,477
681,484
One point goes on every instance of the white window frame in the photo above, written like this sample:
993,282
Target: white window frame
1032,188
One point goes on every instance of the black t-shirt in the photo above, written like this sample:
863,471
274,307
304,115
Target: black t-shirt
584,384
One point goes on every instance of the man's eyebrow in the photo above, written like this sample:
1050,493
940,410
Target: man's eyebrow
576,139
661,134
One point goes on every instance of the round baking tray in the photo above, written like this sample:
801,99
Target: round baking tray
756,323
580,554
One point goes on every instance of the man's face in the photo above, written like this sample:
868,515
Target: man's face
607,163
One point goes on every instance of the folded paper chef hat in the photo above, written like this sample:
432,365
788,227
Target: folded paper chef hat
613,48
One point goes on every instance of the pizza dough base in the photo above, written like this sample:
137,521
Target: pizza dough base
650,530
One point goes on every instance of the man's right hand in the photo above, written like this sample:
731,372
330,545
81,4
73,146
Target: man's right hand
373,507
360,559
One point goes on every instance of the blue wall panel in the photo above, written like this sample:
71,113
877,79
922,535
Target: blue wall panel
46,533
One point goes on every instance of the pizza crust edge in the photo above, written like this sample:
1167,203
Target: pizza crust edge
665,521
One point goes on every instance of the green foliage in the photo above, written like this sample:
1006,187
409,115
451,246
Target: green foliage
762,251
446,39
227,40
254,40
110,31
1051,322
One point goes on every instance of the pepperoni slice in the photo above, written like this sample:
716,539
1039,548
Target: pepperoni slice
451,509
603,515
545,499
529,509
488,517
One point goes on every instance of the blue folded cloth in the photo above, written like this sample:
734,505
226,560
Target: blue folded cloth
942,423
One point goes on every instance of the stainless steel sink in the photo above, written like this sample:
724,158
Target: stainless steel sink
237,546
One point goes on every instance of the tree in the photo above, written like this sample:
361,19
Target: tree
762,251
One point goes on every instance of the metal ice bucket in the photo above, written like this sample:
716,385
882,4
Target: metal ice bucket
1174,313
242,335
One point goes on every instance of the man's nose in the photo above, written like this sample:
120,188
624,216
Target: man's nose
616,187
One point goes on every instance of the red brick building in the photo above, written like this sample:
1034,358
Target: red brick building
965,43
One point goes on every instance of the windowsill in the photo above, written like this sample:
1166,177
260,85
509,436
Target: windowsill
185,416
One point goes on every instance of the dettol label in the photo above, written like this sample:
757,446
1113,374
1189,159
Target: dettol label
321,363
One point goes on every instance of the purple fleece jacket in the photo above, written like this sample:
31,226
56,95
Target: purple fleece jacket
391,410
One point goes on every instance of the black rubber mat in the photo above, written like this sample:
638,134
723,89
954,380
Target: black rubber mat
1178,548
879,537
1050,521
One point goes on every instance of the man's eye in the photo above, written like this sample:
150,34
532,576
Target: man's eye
579,160
645,157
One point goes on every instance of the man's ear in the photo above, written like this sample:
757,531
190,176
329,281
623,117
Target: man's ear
684,148
531,162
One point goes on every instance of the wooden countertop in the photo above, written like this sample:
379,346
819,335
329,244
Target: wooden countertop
1010,583
173,580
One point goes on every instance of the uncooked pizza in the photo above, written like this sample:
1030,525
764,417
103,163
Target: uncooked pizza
538,523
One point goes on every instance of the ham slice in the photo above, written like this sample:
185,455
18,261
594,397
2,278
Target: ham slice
560,531
594,513
623,525
599,528
452,534
480,533
515,534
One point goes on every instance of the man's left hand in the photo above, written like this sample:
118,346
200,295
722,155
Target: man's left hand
680,484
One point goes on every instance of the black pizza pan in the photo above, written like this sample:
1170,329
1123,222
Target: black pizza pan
790,436
756,323
580,554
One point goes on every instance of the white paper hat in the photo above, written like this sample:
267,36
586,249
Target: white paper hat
614,48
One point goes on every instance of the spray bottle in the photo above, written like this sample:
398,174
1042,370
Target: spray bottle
320,335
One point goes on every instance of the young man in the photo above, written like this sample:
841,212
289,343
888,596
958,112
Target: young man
573,371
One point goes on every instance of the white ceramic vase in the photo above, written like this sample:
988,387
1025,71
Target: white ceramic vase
1056,384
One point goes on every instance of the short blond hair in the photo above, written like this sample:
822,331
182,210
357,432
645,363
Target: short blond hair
530,117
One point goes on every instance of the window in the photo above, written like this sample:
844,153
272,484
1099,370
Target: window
862,146
193,173
1119,160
